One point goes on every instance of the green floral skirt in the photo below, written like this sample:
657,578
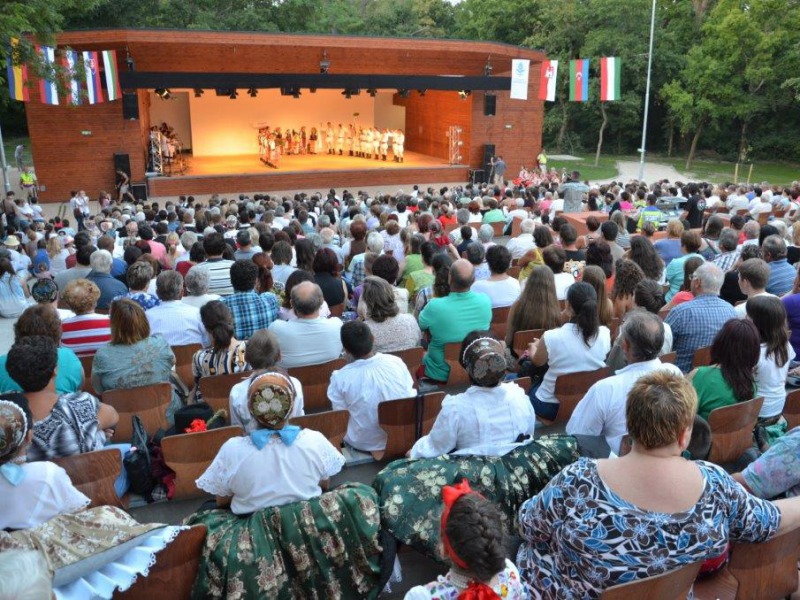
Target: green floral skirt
411,490
326,547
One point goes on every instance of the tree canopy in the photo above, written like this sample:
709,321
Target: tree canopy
722,69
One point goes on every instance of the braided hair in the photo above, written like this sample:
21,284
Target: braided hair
475,531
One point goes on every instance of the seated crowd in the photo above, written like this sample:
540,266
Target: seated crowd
659,329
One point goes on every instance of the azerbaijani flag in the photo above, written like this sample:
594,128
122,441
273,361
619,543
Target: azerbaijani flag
92,68
579,80
609,79
48,91
17,75
112,77
547,80
74,82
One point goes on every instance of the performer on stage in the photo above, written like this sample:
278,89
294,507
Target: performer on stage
313,141
368,142
340,135
399,145
376,142
384,144
329,134
303,140
350,139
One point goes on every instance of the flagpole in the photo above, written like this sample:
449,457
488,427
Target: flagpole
647,92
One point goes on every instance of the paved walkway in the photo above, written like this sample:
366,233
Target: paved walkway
629,169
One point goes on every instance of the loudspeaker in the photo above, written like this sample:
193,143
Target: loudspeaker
139,191
130,106
489,105
488,153
122,162
477,176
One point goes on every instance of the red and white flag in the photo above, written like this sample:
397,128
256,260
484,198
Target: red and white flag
547,80
609,79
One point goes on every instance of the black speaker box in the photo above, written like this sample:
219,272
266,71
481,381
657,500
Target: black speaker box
477,176
130,106
122,162
489,105
488,153
139,191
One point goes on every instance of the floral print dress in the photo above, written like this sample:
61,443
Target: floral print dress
506,584
581,538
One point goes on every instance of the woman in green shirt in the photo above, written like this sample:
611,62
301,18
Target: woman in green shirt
731,376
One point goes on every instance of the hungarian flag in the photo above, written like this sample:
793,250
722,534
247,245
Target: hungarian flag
547,80
609,79
91,67
579,80
112,77
48,91
70,62
17,74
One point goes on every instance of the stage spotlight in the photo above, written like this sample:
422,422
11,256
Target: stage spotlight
312,90
296,93
163,93
252,92
487,70
348,92
324,64
421,92
198,92
464,94
402,93
372,92
233,94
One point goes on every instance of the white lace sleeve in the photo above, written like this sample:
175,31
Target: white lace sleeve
216,479
331,459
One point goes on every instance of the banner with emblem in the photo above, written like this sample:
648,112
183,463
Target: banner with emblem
520,70
94,89
547,80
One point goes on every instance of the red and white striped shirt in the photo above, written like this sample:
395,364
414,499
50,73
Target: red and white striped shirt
84,334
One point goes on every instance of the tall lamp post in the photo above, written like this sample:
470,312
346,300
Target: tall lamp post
647,92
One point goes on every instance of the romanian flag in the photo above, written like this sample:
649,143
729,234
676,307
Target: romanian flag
91,66
17,75
48,91
70,58
547,80
112,76
609,79
579,80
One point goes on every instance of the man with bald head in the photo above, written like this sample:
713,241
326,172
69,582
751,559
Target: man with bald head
310,339
451,318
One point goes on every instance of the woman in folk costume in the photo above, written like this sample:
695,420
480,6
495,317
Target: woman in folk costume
472,536
275,534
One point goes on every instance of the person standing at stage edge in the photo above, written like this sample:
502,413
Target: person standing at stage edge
541,161
574,192
499,167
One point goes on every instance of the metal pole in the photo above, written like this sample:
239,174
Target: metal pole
647,92
3,165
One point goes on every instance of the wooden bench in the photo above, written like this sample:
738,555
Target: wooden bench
571,388
315,380
216,389
732,430
94,474
332,424
148,402
183,362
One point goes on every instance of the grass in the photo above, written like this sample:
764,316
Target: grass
11,143
606,168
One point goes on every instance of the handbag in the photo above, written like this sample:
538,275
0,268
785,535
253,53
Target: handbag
137,462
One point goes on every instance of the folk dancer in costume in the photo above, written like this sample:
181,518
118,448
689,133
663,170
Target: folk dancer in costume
362,142
399,145
303,140
376,142
329,135
313,138
384,144
340,135
349,140
367,142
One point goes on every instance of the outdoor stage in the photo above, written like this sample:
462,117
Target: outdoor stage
246,173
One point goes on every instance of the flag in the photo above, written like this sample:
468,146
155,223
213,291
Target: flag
609,79
17,75
112,77
520,71
48,91
579,80
70,58
92,68
547,80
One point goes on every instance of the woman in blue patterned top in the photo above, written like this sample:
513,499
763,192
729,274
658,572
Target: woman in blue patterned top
601,523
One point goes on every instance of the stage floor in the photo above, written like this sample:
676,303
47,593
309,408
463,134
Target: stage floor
246,164
245,173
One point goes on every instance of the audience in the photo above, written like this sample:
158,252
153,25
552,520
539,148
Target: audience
86,331
326,276
392,331
218,268
554,258
629,274
177,323
753,277
502,289
368,379
537,306
251,311
138,277
101,263
781,273
196,284
226,353
690,244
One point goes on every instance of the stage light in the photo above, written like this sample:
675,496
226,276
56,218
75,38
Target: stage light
348,92
198,92
296,93
252,92
372,92
163,93
487,70
233,94
324,64
421,92
312,90
464,94
402,93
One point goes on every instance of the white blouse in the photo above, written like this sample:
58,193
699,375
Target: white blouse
484,421
771,382
240,413
44,493
273,476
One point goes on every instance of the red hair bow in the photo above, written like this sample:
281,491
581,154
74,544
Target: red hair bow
478,591
451,493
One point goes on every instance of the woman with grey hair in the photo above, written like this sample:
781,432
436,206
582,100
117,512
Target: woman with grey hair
196,284
138,277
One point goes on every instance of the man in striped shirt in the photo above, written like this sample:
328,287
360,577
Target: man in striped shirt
219,269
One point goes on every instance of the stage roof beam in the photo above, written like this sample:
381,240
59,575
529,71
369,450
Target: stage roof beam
154,80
